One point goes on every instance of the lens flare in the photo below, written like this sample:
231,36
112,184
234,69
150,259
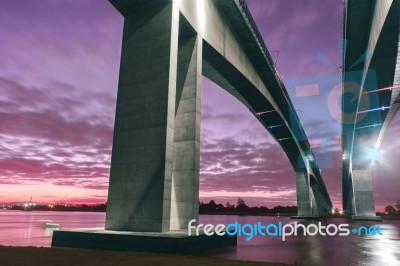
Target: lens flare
374,155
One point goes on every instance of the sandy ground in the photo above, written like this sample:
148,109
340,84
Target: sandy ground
27,256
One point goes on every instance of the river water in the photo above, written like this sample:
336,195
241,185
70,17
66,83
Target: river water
29,229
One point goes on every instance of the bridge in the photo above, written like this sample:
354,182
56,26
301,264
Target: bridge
167,47
371,95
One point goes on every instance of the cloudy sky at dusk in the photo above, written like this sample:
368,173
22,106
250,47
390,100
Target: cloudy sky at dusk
59,63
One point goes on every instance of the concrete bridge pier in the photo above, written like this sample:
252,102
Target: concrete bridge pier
186,165
306,203
314,206
310,200
320,206
154,179
139,196
363,198
303,194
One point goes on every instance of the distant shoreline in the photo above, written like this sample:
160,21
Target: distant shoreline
217,213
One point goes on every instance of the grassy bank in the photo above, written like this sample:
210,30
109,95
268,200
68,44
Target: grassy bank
32,256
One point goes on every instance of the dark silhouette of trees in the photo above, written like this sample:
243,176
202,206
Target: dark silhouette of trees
390,210
242,208
210,207
229,207
397,205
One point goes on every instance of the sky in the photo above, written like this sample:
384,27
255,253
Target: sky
59,63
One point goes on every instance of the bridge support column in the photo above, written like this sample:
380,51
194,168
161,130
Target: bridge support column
314,206
322,205
185,177
348,197
139,197
317,204
305,197
364,204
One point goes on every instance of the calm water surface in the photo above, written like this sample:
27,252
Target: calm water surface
28,229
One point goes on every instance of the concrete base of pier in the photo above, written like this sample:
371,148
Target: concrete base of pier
304,217
174,242
366,218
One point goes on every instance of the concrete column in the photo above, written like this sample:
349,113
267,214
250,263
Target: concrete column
303,194
327,208
317,200
314,207
139,195
322,204
185,177
363,193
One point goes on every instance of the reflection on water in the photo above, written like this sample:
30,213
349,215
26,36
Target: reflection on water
316,250
386,251
29,229
18,228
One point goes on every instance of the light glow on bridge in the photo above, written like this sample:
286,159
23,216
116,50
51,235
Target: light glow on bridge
373,125
201,15
274,126
374,154
265,112
282,139
383,89
383,108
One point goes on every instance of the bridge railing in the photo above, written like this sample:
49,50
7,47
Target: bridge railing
259,39
263,48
